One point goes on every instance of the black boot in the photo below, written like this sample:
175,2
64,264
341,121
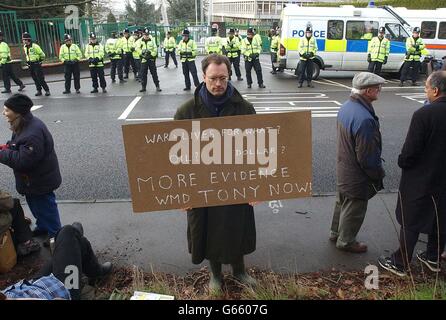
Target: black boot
300,84
239,272
95,90
216,277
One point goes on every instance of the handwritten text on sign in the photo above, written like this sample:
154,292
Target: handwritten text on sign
218,161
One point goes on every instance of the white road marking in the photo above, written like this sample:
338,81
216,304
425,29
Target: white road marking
413,96
129,109
34,108
337,83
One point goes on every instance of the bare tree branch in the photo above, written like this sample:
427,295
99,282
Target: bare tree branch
5,6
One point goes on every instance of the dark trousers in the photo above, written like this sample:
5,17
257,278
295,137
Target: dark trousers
145,67
72,69
258,69
20,226
236,63
116,64
38,76
273,60
408,240
189,66
172,54
305,70
7,75
95,73
414,67
138,67
72,249
375,67
44,209
129,61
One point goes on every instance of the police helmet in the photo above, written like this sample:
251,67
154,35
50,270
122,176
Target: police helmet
92,35
26,36
382,30
66,37
146,31
186,32
126,30
1,33
231,30
416,29
250,31
309,29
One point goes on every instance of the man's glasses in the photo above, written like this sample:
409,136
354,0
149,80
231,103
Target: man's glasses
216,80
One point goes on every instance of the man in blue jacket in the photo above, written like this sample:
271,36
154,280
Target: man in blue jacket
359,165
30,153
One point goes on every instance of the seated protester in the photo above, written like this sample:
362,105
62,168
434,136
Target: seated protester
60,277
11,210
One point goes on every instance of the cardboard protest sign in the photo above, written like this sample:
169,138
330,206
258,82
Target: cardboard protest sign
218,161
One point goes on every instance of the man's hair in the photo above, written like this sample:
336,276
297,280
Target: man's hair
217,59
438,80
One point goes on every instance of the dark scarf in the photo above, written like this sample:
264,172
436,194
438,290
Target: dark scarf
213,103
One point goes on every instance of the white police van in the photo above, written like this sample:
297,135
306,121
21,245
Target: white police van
342,35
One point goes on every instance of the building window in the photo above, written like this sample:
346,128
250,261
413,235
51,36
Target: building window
335,29
428,29
395,32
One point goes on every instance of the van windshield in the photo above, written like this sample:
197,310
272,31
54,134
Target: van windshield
396,32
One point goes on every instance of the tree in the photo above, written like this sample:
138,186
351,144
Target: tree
182,10
111,18
141,13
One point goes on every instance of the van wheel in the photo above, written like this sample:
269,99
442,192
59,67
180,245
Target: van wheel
316,70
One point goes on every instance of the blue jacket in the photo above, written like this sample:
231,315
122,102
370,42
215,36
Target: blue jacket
32,157
359,164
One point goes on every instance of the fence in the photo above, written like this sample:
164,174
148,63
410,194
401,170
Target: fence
49,32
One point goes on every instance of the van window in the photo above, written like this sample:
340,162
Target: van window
442,31
428,29
335,29
364,30
396,32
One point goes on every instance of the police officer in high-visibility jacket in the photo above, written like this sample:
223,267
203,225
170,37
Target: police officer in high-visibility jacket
251,49
274,48
137,37
5,66
127,46
414,48
70,55
169,45
213,43
237,35
34,57
115,55
187,48
307,52
148,51
232,49
378,51
95,53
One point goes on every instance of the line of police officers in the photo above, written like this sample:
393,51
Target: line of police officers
140,52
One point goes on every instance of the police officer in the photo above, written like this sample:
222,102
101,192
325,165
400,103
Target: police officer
70,55
114,53
274,48
127,45
34,57
414,47
169,45
187,49
251,49
307,52
137,36
232,49
94,52
378,51
5,65
257,37
213,43
148,51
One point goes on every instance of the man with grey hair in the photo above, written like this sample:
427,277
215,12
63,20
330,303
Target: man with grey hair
359,166
421,206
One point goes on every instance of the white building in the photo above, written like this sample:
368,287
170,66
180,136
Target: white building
253,11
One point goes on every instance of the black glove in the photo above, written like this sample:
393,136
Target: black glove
132,49
369,58
385,60
110,54
90,60
311,54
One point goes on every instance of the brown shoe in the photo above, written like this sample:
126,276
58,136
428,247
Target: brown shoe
356,247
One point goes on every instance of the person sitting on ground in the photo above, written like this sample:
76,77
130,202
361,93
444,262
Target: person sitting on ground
60,277
12,216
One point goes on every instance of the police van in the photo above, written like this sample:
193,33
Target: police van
433,28
342,35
